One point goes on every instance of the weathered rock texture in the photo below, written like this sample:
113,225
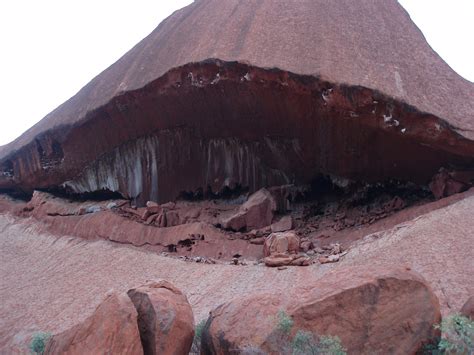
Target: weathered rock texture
382,311
468,308
112,329
155,318
165,318
355,91
36,267
256,212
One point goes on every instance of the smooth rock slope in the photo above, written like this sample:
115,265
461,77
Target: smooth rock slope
230,94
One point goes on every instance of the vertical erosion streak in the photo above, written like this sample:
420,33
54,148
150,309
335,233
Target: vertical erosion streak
134,168
231,162
128,169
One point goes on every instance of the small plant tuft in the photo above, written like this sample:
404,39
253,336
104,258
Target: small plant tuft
304,342
284,322
457,335
196,347
331,345
38,342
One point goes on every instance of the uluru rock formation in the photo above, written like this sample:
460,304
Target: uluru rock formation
227,94
310,156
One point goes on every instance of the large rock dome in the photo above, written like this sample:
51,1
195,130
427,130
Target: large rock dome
226,94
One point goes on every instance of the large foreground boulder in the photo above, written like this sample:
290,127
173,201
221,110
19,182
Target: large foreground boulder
112,329
382,311
155,318
165,318
257,212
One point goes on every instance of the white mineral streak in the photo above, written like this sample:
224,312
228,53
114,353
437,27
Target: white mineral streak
132,167
122,170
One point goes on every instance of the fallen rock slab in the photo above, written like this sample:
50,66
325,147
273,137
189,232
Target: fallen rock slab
257,212
283,225
379,311
277,260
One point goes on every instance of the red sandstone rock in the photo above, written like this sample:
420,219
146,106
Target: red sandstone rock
172,219
153,207
468,308
165,318
283,225
329,259
256,212
229,121
112,329
281,243
443,184
306,245
378,311
151,204
277,260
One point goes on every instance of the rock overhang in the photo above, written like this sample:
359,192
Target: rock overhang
214,124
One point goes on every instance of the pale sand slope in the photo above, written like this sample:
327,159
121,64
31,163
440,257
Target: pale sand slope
49,284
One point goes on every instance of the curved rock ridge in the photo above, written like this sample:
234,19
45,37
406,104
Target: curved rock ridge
357,93
213,125
355,42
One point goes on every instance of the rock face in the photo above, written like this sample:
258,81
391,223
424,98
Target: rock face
468,308
256,212
446,183
165,319
112,329
155,318
281,243
283,225
383,311
182,114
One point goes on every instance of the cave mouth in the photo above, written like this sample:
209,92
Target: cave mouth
98,195
227,193
17,194
326,196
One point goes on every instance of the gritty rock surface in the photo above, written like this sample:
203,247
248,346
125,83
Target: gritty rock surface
165,318
257,212
381,310
111,329
36,267
468,308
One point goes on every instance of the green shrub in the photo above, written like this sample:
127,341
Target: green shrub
304,342
457,335
284,323
331,345
38,342
196,347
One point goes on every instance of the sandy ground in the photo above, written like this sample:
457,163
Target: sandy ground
50,283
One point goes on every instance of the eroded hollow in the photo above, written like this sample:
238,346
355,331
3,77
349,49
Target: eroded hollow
206,127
